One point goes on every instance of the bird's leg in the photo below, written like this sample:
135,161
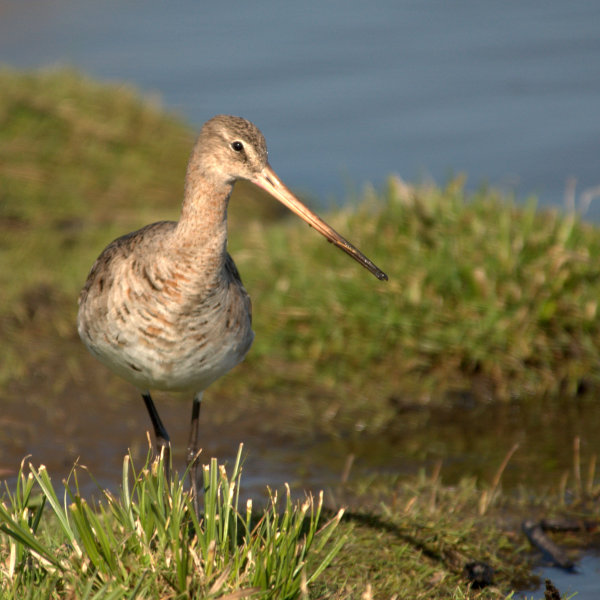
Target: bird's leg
192,449
163,443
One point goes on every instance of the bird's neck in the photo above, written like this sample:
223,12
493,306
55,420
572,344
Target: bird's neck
202,227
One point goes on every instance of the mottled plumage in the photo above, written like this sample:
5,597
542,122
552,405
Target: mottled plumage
147,315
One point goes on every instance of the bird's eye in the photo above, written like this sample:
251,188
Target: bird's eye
237,146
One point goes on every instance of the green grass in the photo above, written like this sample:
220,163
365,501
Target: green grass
479,289
147,542
399,537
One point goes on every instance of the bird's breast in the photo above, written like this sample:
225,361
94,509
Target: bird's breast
163,327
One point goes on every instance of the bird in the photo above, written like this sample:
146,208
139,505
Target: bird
164,307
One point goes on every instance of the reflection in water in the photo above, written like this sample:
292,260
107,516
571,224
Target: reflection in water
469,439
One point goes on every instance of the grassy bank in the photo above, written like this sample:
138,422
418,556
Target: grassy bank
146,542
483,296
486,300
395,538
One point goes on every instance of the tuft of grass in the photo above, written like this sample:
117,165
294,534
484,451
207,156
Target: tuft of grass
149,542
400,537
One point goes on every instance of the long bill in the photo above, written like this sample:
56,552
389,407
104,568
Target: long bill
268,181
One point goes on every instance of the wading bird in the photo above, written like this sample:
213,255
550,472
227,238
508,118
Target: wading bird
164,307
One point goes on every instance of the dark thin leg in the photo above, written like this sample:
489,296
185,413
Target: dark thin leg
192,449
163,443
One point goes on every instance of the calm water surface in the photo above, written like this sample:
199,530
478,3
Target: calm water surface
348,92
582,584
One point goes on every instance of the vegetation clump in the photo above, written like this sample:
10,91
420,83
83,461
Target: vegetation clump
149,543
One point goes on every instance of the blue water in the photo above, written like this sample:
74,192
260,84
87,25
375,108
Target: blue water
347,91
582,584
